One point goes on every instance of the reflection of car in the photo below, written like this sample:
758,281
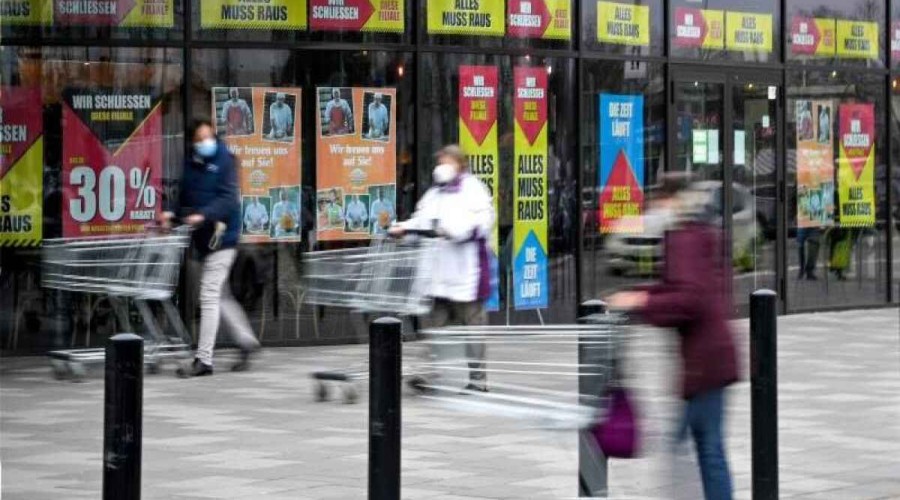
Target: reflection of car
642,253
638,253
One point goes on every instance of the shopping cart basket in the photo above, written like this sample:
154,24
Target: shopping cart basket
136,269
531,370
390,276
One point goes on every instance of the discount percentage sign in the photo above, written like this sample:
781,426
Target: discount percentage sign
146,195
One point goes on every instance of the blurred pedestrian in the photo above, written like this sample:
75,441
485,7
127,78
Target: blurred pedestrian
209,201
459,208
693,297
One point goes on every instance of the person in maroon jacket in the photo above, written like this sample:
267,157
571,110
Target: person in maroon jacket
693,297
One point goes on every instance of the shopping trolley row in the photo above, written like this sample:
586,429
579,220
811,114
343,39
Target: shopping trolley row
137,270
392,277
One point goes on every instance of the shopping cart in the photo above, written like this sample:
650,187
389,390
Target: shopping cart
138,270
555,378
390,276
532,371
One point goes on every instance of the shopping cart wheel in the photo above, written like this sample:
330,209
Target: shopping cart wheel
184,368
76,370
418,384
321,392
350,394
60,371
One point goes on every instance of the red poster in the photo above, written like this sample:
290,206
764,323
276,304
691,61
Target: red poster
530,100
112,161
857,134
478,100
144,13
813,36
550,19
357,15
699,28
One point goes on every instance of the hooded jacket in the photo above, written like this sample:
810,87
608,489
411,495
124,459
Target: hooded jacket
209,186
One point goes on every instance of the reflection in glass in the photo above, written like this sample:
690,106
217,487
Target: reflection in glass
625,251
836,190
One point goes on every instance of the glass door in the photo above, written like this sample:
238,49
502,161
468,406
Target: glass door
725,133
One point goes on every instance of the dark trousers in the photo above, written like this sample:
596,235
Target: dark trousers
448,313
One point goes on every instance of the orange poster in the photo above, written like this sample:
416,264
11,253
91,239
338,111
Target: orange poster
261,126
356,162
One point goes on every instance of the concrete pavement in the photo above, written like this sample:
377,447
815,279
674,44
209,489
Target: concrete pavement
260,435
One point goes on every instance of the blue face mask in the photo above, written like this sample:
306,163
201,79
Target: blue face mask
206,148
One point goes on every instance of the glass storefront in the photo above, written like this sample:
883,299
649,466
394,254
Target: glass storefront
786,112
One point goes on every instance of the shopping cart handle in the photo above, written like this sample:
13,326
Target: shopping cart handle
174,228
424,233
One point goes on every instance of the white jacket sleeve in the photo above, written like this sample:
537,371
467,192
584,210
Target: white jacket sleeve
422,217
475,219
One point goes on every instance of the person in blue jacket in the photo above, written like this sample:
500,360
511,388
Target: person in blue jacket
210,202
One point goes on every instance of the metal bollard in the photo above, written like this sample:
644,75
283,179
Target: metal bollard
123,408
385,379
592,465
764,394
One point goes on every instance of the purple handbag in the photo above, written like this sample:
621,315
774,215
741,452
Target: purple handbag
618,435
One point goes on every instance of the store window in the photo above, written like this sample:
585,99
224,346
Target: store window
895,185
296,120
835,32
348,21
515,119
540,24
627,27
837,190
732,30
87,120
108,20
623,140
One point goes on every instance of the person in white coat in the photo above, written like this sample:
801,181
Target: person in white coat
459,208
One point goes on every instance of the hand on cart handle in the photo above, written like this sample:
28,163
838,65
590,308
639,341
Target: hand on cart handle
398,231
627,301
165,219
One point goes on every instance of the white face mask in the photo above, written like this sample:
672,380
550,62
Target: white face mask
444,173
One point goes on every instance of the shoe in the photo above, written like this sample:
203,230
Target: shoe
200,369
243,362
812,277
474,388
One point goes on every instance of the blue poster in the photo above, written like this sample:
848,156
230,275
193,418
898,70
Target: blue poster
493,301
621,172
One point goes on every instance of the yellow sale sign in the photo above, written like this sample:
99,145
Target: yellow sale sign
466,17
623,24
26,12
21,166
857,39
239,14
747,31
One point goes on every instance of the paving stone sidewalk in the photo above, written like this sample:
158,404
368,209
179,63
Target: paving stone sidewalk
260,435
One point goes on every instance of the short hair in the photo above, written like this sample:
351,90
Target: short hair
280,95
233,91
196,124
454,152
335,92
